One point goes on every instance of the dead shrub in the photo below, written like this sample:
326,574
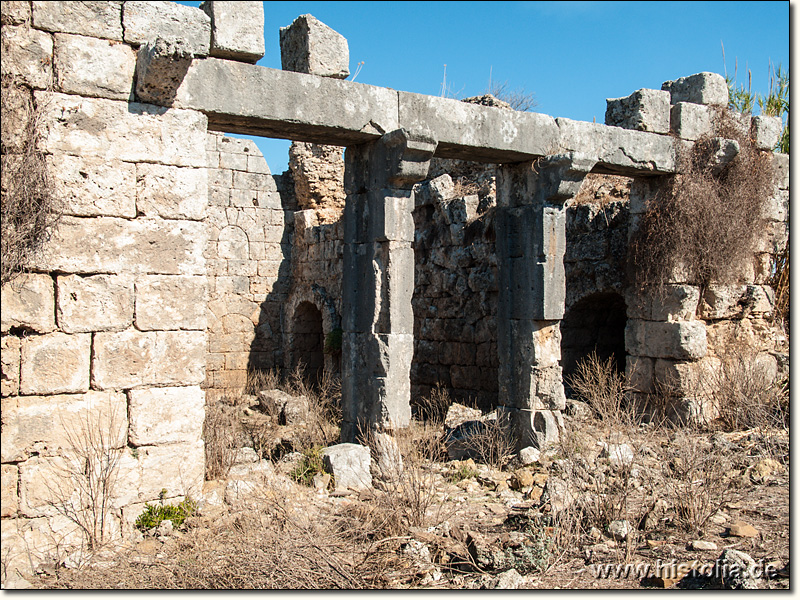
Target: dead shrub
704,222
491,444
221,430
30,210
433,407
607,391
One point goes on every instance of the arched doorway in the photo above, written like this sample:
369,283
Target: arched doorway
595,323
308,341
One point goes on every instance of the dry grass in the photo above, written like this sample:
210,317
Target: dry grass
704,223
221,431
30,211
607,391
491,444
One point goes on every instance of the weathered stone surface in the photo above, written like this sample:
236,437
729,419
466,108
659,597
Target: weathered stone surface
766,131
777,207
95,303
474,132
620,529
50,425
237,29
29,302
115,245
180,468
781,162
168,302
27,54
703,545
94,187
94,67
310,46
9,359
619,455
9,478
529,455
643,110
171,192
161,66
684,340
111,129
318,172
350,466
15,12
722,301
701,88
675,303
639,372
691,121
144,21
618,150
132,359
166,415
55,363
537,428
737,570
17,111
249,99
96,19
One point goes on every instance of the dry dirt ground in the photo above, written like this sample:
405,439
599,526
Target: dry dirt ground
465,525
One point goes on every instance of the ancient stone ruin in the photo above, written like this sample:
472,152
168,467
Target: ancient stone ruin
456,243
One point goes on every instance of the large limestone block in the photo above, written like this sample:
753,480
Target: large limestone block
781,162
688,378
169,302
537,428
166,415
27,54
94,187
683,340
102,19
237,29
722,301
691,121
350,466
10,362
110,245
52,425
178,468
777,207
639,373
701,88
28,302
171,192
95,303
624,151
55,363
111,129
643,110
9,500
675,303
766,131
310,46
15,12
94,67
145,21
132,359
161,66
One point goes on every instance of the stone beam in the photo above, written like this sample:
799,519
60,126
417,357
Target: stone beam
530,221
378,281
255,100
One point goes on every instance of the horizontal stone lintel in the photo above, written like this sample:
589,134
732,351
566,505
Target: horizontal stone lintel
253,100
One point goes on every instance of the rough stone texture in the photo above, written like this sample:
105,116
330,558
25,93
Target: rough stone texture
350,466
781,162
110,245
643,110
701,88
181,468
691,121
310,46
93,187
9,501
145,21
166,415
168,302
29,302
161,66
237,29
766,131
15,12
318,173
10,357
171,192
96,19
27,55
684,340
94,67
94,303
55,363
132,359
17,110
50,425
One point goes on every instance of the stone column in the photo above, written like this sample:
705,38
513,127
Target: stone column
378,280
530,253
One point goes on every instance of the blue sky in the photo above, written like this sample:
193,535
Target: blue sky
571,55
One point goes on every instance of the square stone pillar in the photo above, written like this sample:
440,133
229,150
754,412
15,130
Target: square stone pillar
530,223
378,281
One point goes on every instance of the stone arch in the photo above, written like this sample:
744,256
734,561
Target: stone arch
596,323
309,310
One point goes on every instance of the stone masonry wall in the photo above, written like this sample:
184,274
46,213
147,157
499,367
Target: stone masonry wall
247,256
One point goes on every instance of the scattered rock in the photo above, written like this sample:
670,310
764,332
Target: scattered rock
164,528
289,409
321,481
619,455
350,466
509,580
458,414
529,455
742,529
620,529
703,545
766,467
521,478
736,570
559,494
578,410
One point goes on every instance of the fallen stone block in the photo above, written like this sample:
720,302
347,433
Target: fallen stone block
643,110
310,46
237,29
350,466
701,88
